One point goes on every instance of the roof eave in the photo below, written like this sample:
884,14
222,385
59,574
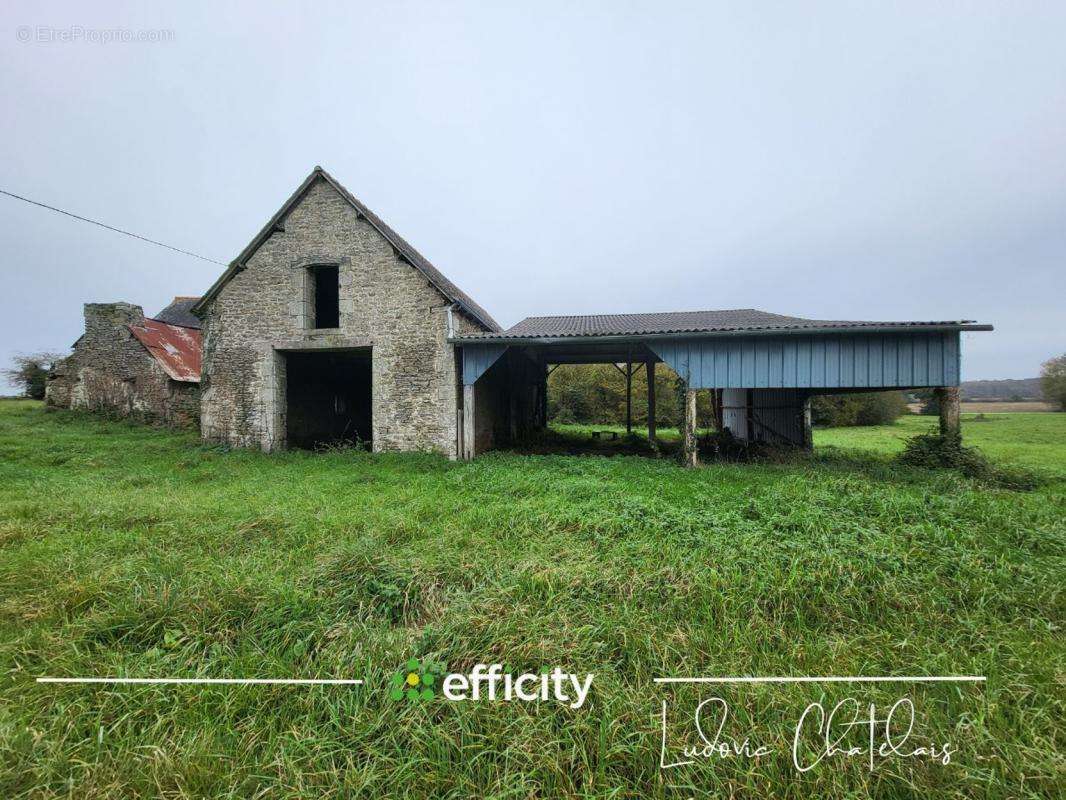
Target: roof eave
640,337
200,308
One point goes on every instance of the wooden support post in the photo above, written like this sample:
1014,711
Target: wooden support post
513,382
629,397
749,411
808,435
948,397
691,456
649,373
544,397
468,422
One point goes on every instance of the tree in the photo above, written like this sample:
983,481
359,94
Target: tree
930,402
31,371
1053,381
596,394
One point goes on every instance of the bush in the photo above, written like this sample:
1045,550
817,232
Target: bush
936,451
865,408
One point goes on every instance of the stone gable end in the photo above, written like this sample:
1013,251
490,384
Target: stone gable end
386,306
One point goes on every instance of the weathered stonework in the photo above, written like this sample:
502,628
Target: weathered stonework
111,372
387,308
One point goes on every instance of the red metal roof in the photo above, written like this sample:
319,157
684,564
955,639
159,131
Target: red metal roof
176,348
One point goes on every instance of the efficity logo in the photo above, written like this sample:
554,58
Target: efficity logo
417,681
424,680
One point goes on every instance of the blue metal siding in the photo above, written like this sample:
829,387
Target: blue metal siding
477,358
837,361
778,415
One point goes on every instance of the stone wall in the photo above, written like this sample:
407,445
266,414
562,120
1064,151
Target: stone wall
112,373
386,305
183,405
59,383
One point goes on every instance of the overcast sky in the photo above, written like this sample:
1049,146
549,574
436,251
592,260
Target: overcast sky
820,160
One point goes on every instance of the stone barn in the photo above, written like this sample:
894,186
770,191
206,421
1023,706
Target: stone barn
127,364
329,327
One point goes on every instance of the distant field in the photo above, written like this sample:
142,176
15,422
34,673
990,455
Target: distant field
978,406
138,552
995,406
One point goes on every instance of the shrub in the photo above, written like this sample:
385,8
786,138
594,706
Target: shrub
863,408
936,451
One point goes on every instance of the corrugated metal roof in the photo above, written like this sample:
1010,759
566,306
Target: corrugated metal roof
179,313
177,348
740,319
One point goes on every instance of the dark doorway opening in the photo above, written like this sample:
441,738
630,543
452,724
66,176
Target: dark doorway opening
327,297
328,399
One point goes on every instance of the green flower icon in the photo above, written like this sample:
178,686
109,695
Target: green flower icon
416,680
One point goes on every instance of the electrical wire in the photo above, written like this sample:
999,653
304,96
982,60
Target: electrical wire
110,228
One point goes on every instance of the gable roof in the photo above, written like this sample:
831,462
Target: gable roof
179,312
177,349
402,248
686,322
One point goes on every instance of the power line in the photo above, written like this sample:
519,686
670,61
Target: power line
110,228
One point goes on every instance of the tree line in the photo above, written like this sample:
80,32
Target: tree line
595,394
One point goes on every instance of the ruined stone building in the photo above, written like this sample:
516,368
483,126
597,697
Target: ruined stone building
127,364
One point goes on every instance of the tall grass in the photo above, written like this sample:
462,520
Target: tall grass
138,552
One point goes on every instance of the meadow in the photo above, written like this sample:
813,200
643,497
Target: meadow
138,552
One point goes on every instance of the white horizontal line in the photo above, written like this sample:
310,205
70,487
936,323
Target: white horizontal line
833,679
238,681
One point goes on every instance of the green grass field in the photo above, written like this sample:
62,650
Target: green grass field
130,551
1032,440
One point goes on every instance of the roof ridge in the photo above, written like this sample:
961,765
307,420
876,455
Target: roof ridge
658,313
706,322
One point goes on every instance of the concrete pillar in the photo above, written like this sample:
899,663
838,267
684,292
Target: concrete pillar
649,372
468,422
735,413
948,398
691,456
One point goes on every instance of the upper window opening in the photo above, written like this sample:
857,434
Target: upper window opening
327,297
